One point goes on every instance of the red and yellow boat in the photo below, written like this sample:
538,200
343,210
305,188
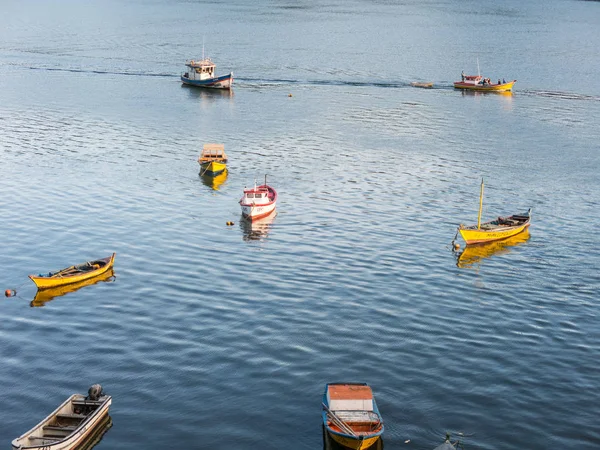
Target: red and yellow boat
74,274
478,83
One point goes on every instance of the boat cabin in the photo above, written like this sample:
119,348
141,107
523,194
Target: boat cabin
258,195
213,152
472,79
200,70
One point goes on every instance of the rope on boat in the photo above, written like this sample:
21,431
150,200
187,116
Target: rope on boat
455,245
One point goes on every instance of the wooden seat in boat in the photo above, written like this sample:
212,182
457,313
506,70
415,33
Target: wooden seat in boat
47,438
67,429
71,416
87,402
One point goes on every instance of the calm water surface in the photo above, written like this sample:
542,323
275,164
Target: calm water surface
223,337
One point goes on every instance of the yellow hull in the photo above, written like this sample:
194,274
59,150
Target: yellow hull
481,236
354,444
60,280
45,295
489,88
212,167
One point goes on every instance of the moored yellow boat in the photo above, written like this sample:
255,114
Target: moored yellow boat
213,159
494,230
45,295
74,274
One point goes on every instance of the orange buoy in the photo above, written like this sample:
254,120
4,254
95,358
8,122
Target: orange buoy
456,246
289,95
10,292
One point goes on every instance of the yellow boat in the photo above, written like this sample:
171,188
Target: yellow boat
212,160
473,254
494,230
74,274
45,295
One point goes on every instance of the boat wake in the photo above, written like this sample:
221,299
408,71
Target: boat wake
103,72
561,95
260,82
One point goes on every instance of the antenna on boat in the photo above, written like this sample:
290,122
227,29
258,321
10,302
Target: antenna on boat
480,205
265,179
478,71
202,47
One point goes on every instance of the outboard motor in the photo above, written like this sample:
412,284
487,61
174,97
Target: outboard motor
94,392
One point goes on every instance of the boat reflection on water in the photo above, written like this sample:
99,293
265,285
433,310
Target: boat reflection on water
97,435
258,229
475,253
208,95
45,295
214,182
330,444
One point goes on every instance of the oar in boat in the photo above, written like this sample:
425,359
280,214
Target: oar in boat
339,422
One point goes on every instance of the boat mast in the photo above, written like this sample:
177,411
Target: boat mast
480,206
478,72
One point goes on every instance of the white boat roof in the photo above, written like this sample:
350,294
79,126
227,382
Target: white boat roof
213,150
206,62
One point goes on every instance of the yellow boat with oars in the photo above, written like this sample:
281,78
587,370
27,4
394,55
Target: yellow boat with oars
212,160
45,295
494,230
74,274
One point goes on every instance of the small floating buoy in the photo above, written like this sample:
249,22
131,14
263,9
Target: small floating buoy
407,441
289,95
10,292
229,224
456,246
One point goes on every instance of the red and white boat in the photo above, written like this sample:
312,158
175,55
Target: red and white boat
258,202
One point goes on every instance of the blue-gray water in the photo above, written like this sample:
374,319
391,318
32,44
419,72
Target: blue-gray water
223,337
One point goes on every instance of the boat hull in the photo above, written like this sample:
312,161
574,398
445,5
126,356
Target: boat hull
502,87
482,236
78,437
50,282
212,168
255,212
354,444
223,82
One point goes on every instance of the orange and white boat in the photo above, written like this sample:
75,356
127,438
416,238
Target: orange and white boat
258,202
350,415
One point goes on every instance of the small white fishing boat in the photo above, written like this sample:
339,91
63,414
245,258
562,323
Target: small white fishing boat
202,74
69,425
258,202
